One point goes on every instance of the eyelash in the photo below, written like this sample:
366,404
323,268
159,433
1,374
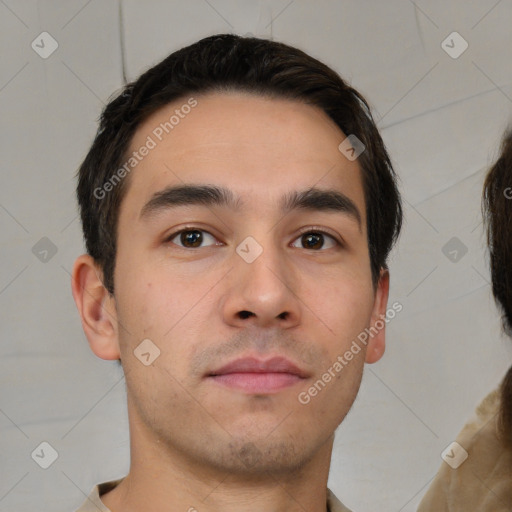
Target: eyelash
311,229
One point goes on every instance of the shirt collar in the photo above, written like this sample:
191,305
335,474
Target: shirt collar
93,502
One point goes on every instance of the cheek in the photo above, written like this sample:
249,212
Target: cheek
141,295
152,310
344,305
163,307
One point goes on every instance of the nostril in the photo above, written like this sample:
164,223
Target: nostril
245,314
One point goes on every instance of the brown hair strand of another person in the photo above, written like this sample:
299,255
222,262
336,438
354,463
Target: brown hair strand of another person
497,212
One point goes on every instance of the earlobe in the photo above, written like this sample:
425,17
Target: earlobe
377,341
96,308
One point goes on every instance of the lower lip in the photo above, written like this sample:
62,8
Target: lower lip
257,382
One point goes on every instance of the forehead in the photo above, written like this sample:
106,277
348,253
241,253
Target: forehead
243,141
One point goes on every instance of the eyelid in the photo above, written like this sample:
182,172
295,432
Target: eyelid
324,231
174,234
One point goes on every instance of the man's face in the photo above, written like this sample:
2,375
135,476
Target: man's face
249,280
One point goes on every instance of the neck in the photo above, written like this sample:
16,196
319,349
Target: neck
162,479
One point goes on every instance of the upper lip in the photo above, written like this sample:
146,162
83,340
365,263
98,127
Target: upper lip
255,365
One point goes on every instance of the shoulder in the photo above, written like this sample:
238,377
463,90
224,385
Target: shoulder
93,502
334,504
482,481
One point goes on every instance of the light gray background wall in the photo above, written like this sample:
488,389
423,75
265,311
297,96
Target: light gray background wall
442,119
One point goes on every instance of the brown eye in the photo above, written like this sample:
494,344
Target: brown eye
191,238
315,240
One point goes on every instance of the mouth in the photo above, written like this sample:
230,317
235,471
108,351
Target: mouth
254,375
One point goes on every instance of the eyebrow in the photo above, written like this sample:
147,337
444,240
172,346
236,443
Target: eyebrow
312,199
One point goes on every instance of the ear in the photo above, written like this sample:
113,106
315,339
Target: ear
377,342
97,308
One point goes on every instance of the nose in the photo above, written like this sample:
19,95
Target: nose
262,293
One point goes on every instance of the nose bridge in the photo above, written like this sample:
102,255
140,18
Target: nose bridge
261,283
268,268
263,264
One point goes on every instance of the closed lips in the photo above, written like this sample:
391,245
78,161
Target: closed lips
257,377
253,365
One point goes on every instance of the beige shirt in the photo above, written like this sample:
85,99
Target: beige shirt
483,482
93,502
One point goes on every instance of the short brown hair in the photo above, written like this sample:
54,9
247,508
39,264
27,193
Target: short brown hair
229,62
